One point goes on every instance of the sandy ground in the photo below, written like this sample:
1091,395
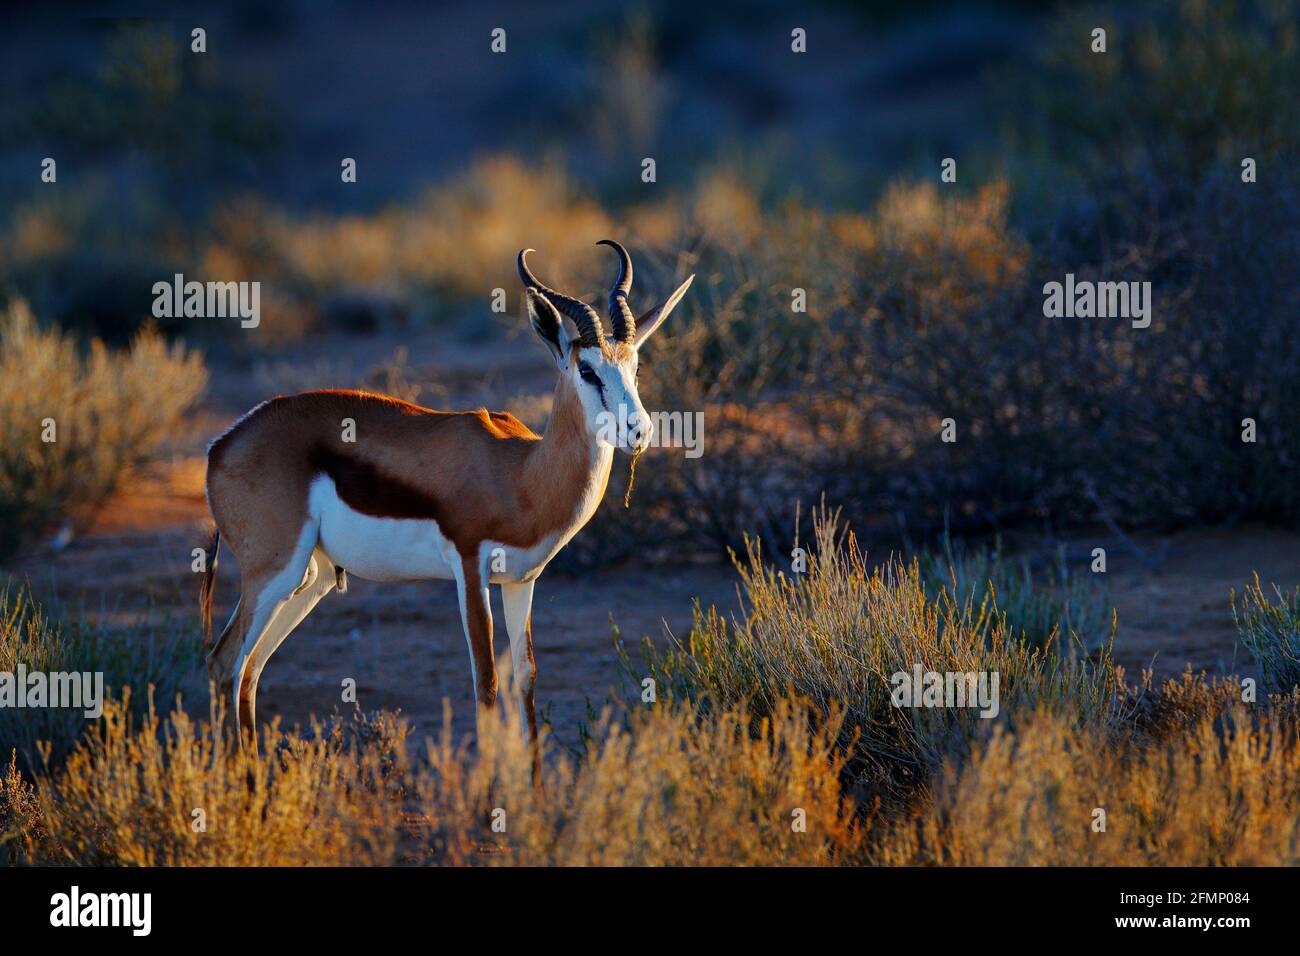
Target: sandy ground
1178,614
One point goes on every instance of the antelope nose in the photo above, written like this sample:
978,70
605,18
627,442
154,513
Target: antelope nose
639,430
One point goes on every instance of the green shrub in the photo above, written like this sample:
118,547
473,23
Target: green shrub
1271,631
1058,605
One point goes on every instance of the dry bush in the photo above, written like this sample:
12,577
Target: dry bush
127,796
1221,794
459,238
929,306
1128,166
660,788
110,410
836,634
926,305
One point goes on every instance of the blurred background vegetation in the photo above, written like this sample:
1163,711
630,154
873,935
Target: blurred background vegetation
775,171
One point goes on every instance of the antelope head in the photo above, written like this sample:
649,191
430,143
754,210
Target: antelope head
601,368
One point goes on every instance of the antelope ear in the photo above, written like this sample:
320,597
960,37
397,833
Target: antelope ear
647,324
546,323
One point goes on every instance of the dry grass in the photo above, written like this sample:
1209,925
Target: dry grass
1221,794
777,719
129,793
660,788
163,655
105,410
836,633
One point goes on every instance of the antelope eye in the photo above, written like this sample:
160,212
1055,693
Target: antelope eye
589,374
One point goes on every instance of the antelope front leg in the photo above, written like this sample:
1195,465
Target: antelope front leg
476,615
517,600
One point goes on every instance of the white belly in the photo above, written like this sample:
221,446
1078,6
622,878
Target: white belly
379,549
409,549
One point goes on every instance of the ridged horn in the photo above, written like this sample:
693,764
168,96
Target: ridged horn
584,316
621,318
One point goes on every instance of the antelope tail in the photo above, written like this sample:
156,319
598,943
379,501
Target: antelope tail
208,586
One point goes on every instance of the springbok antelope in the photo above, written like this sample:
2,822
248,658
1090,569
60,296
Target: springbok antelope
475,497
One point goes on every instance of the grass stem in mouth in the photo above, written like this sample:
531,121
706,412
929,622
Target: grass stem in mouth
631,478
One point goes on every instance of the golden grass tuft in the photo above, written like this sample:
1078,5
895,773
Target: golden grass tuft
660,787
1223,793
135,795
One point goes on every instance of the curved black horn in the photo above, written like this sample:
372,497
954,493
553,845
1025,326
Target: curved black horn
620,313
584,316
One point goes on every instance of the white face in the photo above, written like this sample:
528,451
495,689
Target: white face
606,384
603,377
